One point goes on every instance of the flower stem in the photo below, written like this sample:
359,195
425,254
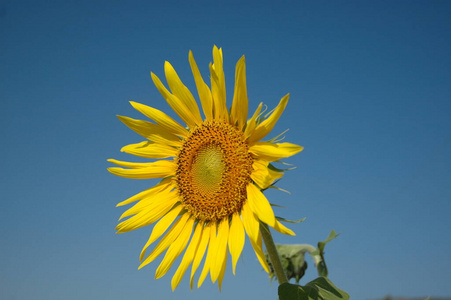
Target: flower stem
272,253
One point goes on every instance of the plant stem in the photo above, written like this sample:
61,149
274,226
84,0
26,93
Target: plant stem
273,254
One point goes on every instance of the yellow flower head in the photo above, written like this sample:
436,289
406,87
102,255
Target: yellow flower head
212,170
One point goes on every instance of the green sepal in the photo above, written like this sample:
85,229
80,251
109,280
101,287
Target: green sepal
290,221
260,118
277,188
273,186
280,137
272,167
276,205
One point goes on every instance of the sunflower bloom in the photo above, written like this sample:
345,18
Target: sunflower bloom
213,171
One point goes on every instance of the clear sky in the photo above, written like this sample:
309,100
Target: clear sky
370,85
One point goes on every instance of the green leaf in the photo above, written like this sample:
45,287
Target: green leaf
319,289
322,267
331,236
288,291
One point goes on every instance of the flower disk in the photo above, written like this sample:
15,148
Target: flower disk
213,169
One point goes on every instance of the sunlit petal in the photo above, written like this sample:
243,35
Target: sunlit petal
181,91
239,108
262,175
267,125
175,103
188,257
236,239
161,119
167,240
221,249
252,226
200,251
161,228
252,122
260,205
175,249
218,90
202,88
150,149
274,151
158,169
151,131
162,185
212,249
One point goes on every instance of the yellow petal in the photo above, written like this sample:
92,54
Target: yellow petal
175,249
221,249
158,169
222,272
132,165
151,131
161,119
274,151
258,249
236,239
176,104
260,205
240,104
200,251
167,240
262,175
163,184
150,149
252,226
210,255
161,228
250,222
252,122
202,88
152,199
188,256
181,91
282,229
150,215
267,125
218,90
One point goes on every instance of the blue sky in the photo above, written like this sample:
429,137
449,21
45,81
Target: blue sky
370,85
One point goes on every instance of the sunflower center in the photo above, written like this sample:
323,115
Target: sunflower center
213,169
208,167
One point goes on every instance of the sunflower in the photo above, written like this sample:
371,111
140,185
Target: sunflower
213,171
